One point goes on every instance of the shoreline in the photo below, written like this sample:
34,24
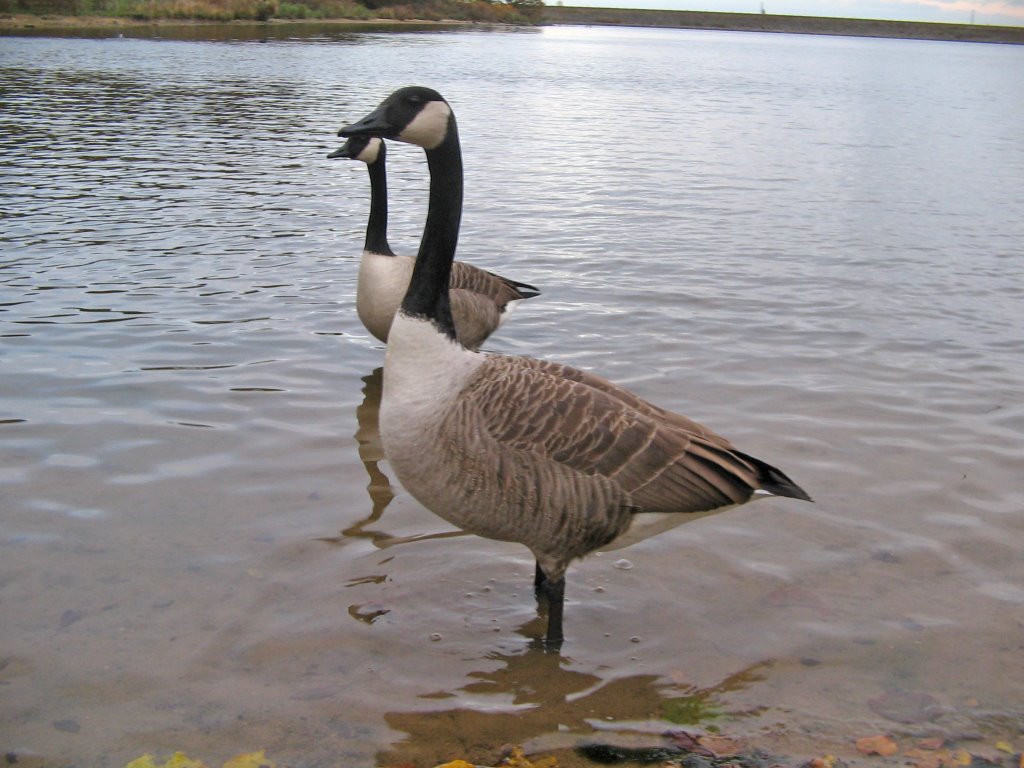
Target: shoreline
28,24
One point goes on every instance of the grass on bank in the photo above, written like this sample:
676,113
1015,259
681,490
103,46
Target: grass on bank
492,11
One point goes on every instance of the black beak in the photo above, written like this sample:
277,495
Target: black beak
374,124
343,151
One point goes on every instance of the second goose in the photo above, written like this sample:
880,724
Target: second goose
480,300
525,450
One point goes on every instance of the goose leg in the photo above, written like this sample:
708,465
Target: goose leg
538,579
555,591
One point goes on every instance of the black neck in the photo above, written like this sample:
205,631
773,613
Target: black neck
377,224
427,296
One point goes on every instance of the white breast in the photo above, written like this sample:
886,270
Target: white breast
424,372
382,283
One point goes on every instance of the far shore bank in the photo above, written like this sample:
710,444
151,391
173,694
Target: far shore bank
28,24
768,22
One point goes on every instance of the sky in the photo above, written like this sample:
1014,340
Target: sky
1003,12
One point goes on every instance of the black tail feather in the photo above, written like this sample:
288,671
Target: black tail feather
775,480
526,290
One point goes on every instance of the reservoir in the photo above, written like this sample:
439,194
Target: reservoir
812,245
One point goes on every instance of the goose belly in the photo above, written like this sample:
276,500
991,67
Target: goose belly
382,283
645,525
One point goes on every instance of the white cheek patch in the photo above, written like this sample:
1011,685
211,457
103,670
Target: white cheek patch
370,151
429,127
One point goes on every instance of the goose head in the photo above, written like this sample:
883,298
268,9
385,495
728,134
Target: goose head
368,149
414,115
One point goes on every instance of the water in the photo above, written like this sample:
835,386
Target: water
811,244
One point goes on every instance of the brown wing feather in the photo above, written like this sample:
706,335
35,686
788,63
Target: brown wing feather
664,461
497,288
561,370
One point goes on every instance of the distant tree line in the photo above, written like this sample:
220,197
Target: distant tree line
491,11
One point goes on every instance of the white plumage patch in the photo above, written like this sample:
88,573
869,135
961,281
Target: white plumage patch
510,307
383,281
430,126
370,151
423,370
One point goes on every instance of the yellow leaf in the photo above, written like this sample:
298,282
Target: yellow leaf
250,760
181,760
145,761
1004,746
828,761
516,759
457,764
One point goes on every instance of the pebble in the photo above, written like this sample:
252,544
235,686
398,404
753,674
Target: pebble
67,726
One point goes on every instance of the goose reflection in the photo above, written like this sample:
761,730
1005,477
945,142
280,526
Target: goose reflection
379,488
536,696
371,451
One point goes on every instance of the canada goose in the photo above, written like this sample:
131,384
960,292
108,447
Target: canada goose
525,450
480,299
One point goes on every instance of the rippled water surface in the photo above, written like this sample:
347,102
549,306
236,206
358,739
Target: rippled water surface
811,244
